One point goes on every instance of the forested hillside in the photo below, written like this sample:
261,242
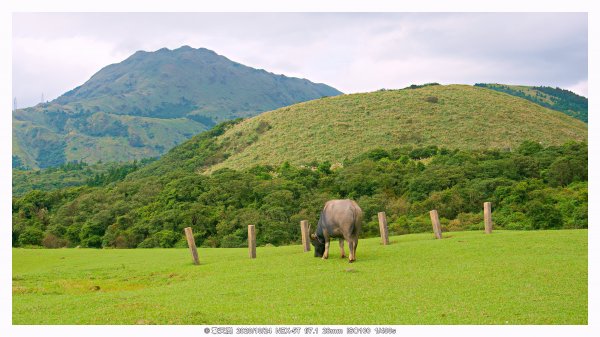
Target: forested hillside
530,188
71,175
554,98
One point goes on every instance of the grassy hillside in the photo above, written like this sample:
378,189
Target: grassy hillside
340,128
147,104
527,277
554,98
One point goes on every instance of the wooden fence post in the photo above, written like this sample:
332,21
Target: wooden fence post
192,244
383,228
251,241
305,235
435,221
487,217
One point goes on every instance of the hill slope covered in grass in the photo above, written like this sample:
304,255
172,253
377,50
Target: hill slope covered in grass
340,128
554,98
147,104
508,277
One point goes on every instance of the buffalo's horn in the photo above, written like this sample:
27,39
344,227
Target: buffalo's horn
313,236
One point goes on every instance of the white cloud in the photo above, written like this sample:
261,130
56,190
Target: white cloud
580,88
53,66
54,52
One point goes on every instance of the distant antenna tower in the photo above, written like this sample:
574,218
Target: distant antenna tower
15,103
42,98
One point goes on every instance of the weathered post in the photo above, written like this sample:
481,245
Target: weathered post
305,235
251,241
192,244
487,217
383,228
435,221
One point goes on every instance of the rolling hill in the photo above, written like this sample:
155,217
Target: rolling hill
554,98
404,152
147,104
339,128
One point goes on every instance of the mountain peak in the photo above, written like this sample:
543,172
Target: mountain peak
188,72
188,48
170,93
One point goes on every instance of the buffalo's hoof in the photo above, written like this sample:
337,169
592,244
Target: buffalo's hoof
351,261
324,257
343,256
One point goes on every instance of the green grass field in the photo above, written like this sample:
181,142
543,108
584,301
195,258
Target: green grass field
509,277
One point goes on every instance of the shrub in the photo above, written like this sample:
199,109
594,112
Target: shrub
166,238
529,148
455,225
110,236
122,242
181,244
544,216
420,224
94,241
149,242
423,152
232,241
514,221
211,242
52,241
471,221
31,236
564,171
431,99
369,229
399,226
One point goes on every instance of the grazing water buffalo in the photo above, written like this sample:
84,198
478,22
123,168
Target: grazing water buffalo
339,219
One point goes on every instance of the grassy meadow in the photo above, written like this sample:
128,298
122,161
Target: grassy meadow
509,277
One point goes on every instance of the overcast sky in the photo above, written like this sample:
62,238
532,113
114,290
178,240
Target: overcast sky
353,52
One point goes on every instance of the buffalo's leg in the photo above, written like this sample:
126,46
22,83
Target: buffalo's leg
342,248
326,253
352,243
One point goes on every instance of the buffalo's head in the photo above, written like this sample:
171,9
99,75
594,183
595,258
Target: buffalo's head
319,246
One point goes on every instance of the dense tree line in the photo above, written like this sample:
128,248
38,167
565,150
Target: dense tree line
75,173
115,173
17,163
565,100
560,99
530,188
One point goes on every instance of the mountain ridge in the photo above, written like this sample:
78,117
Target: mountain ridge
173,94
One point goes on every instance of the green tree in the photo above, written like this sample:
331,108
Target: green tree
31,236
